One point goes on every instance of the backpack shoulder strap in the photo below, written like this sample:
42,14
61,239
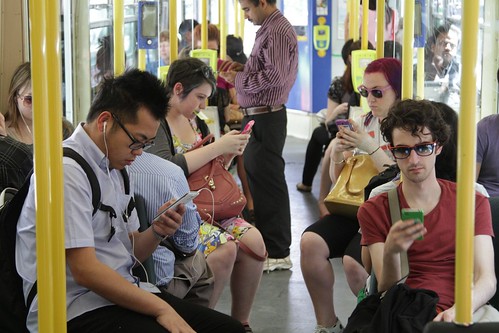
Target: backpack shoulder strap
92,178
393,201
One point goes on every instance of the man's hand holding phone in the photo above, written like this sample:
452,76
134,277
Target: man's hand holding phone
169,217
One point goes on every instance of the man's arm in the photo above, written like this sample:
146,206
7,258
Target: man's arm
484,280
90,273
386,256
146,242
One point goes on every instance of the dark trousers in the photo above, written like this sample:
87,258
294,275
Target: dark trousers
318,141
265,171
112,319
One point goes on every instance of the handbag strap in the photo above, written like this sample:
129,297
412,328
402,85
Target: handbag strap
198,144
393,201
350,164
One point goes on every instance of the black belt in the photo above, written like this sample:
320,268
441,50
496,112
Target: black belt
261,109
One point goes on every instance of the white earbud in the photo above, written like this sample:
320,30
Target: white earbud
104,129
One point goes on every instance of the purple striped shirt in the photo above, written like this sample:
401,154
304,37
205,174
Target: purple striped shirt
271,69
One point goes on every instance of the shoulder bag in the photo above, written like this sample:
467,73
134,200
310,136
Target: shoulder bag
220,197
348,192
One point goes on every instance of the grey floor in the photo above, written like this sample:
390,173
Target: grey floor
282,303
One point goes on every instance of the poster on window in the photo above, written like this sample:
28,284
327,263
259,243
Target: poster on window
321,7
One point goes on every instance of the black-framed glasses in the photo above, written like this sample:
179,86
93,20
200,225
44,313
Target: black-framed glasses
27,100
135,145
376,92
422,149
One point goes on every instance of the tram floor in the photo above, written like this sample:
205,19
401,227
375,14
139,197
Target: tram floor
282,304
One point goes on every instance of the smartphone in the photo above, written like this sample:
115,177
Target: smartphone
182,200
344,123
413,214
248,127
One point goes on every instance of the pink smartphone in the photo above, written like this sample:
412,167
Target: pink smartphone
343,123
248,127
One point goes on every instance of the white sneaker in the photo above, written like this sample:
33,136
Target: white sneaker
337,328
272,264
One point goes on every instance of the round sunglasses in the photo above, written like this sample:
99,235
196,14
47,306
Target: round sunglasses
376,92
27,100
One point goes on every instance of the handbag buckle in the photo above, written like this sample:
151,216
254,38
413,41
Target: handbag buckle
211,182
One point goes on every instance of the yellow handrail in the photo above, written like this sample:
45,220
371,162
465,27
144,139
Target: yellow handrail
47,134
173,30
466,166
118,37
380,29
407,70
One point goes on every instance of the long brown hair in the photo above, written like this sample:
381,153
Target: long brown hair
20,79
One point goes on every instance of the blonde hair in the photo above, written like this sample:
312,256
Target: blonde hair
20,79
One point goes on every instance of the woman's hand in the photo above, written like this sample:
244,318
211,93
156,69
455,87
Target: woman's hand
358,138
233,143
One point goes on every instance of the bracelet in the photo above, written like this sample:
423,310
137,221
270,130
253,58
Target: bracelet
337,163
375,150
158,236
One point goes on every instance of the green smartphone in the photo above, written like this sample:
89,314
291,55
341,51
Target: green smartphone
413,214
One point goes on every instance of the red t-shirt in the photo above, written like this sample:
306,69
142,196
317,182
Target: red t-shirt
431,260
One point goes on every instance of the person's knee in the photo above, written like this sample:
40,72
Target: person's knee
254,240
224,254
353,269
311,244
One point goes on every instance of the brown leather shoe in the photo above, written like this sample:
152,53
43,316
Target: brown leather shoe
303,188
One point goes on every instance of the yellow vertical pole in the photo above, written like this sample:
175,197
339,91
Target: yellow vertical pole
407,70
142,59
223,28
365,25
466,166
420,74
355,20
350,18
173,30
204,24
241,23
380,29
237,17
47,133
118,37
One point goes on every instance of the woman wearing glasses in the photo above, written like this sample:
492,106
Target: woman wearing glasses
190,83
19,115
333,236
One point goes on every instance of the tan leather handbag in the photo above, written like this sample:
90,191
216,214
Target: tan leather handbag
348,192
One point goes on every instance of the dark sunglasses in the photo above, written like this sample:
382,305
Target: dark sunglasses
376,92
27,100
135,145
206,71
422,149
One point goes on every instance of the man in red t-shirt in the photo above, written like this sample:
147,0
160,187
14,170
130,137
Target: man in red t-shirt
416,133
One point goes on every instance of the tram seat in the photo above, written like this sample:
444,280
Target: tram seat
148,264
494,207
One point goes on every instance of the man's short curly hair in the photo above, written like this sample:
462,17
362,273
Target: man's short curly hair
412,116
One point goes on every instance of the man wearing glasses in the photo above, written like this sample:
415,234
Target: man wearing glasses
102,247
416,133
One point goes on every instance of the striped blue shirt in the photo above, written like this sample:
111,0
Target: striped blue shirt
271,69
157,181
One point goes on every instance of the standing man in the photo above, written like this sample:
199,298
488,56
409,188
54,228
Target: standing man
263,85
185,30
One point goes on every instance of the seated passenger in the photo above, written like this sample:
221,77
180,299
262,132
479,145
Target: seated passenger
334,235
182,272
487,152
189,82
416,133
101,249
19,115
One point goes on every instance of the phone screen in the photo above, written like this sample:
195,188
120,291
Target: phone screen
413,214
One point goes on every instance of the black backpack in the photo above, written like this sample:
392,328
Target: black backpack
13,309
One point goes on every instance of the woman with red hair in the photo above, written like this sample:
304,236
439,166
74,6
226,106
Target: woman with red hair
334,236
